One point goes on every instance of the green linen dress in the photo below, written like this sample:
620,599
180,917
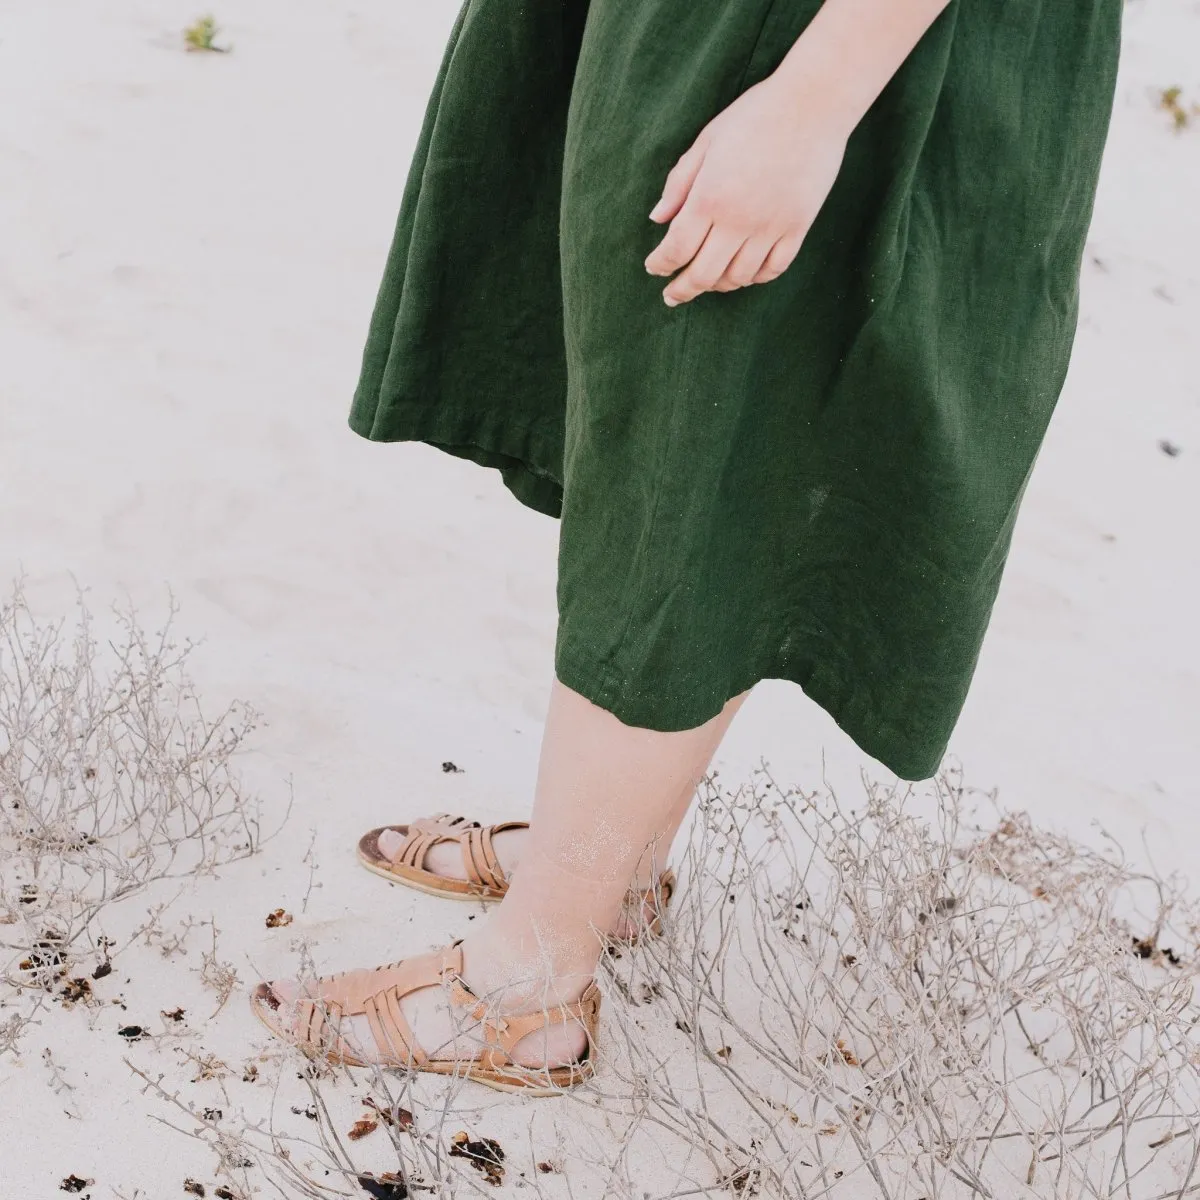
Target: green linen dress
814,479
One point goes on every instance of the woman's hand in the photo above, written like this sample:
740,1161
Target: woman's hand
743,197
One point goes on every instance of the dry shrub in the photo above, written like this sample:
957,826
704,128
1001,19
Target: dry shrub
888,999
870,1002
111,779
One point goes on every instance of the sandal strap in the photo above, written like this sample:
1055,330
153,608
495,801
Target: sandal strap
479,858
647,908
393,1035
390,1028
417,846
501,1034
376,994
441,821
423,832
316,1025
658,893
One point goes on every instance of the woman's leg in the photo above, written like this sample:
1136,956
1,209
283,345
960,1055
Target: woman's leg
511,844
608,797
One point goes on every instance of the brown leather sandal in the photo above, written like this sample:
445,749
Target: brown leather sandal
486,879
376,994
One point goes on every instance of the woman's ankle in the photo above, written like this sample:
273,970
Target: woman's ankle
513,983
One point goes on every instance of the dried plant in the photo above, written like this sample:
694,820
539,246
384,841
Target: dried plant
111,779
859,1001
868,1000
892,999
219,976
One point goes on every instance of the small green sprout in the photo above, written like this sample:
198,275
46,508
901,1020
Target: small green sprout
1171,99
202,36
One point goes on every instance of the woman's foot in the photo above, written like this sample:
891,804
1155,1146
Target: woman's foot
446,858
537,1027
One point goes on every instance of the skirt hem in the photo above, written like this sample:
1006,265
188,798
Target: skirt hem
594,682
520,454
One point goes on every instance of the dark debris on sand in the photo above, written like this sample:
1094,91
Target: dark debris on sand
362,1128
384,1187
484,1154
399,1118
75,990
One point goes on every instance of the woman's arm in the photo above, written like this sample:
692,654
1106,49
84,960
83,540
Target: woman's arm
743,197
851,49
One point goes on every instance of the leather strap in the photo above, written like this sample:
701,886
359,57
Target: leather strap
441,822
479,858
382,991
316,1024
475,841
390,1028
501,1034
417,847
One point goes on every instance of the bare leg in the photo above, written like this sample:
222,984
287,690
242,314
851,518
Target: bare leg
510,845
606,793
608,798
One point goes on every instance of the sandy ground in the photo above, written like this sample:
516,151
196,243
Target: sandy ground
190,248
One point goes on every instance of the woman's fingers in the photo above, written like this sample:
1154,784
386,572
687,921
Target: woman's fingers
779,259
679,181
703,271
745,265
682,242
719,260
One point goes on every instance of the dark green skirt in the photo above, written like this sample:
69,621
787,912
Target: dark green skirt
814,479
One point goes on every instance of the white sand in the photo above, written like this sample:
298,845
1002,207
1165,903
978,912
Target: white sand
189,250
